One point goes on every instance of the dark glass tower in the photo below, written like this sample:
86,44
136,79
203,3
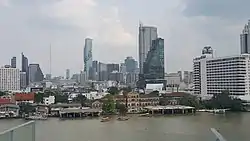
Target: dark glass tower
154,64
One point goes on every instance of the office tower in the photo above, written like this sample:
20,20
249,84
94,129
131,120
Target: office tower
87,57
154,64
245,39
173,78
76,77
13,62
123,68
213,75
130,64
9,79
82,77
102,72
112,67
35,73
180,75
23,80
67,74
25,67
116,76
146,35
94,72
48,76
186,77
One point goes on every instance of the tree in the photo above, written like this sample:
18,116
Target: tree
113,90
39,97
2,93
80,99
108,105
224,101
26,108
190,100
61,99
122,109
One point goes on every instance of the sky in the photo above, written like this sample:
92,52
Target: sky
30,26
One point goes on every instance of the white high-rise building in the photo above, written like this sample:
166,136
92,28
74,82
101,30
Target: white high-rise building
9,79
213,75
146,35
88,57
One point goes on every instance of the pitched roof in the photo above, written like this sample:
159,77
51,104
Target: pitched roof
4,101
24,96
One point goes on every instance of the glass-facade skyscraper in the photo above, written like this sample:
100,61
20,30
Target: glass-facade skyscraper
88,57
245,39
146,35
154,65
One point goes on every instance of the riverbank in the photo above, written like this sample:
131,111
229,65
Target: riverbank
174,128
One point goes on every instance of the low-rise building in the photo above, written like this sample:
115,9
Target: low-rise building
9,110
24,98
136,102
49,100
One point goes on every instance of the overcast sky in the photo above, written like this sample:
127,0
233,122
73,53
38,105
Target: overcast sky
30,26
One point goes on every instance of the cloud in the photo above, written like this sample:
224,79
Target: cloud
226,9
186,25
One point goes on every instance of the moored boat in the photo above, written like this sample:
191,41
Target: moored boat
105,119
122,118
37,117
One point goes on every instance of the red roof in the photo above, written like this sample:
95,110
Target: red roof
4,101
24,96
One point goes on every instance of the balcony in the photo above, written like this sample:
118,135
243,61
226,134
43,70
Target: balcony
23,132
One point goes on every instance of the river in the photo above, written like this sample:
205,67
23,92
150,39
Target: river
233,126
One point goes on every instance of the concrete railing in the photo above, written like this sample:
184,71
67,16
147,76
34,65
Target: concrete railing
219,137
23,132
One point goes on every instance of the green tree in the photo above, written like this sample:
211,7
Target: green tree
80,99
113,90
2,93
39,97
61,99
26,108
122,109
190,100
108,105
224,101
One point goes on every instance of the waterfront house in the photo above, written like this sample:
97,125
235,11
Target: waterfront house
56,108
136,102
4,101
172,98
9,111
97,104
24,98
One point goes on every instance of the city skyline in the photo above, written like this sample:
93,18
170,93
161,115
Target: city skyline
62,23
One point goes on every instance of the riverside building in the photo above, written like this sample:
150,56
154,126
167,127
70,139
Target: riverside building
213,75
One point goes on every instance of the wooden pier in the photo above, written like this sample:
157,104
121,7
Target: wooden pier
170,109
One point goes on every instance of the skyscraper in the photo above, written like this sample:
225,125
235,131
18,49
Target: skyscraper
88,57
130,64
13,62
67,74
9,79
146,35
25,68
35,73
154,65
245,39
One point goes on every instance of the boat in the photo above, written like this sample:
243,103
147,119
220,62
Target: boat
144,115
219,111
122,118
105,119
36,117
